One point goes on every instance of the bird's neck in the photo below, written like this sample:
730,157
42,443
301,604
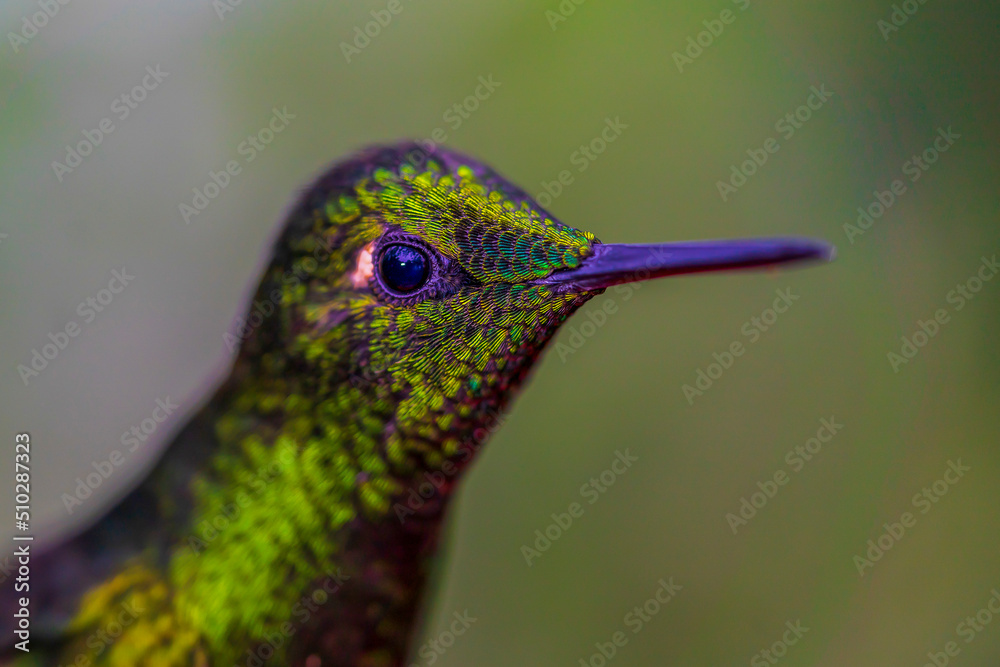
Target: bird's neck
317,506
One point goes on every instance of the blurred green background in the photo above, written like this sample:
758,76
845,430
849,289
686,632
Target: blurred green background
622,389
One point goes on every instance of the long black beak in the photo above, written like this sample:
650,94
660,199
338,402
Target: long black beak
616,263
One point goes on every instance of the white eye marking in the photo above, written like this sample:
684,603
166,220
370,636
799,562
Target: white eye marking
365,268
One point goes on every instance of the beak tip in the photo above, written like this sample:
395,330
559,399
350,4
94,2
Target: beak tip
820,250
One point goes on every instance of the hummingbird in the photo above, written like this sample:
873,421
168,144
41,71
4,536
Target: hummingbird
295,518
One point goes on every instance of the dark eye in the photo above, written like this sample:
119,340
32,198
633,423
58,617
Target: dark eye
403,268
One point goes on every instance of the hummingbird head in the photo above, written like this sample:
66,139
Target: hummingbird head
416,288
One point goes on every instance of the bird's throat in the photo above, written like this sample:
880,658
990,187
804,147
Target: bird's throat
315,510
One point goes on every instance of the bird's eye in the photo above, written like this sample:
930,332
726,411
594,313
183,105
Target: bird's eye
403,268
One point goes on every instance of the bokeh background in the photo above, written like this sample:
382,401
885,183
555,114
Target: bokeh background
560,80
